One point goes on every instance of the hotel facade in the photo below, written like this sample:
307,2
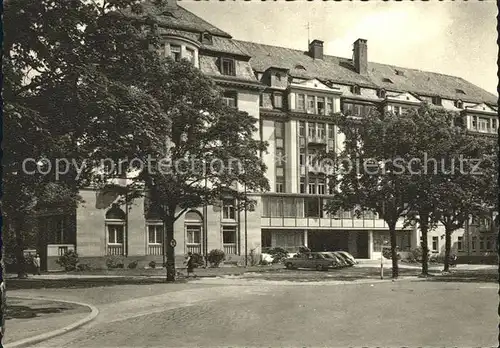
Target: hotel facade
293,94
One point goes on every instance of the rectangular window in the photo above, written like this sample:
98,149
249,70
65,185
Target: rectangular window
302,128
311,130
474,122
301,102
227,67
229,234
474,243
436,100
321,130
302,185
115,234
175,52
460,243
321,187
155,234
494,124
193,234
312,188
435,244
228,210
481,243
489,244
279,143
278,126
190,55
356,110
483,125
310,103
261,100
347,109
329,106
331,131
278,100
302,157
230,99
280,185
320,105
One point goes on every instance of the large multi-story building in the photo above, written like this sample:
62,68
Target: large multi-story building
293,94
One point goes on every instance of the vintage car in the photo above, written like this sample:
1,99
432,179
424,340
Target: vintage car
347,260
340,262
348,256
314,260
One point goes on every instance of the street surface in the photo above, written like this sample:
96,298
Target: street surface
256,312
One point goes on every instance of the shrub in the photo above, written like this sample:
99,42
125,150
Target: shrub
114,262
152,264
387,253
198,260
68,261
215,257
253,258
133,264
83,267
417,254
278,254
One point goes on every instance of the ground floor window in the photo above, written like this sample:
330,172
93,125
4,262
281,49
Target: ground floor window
435,244
288,240
229,239
115,238
460,243
155,238
474,243
193,234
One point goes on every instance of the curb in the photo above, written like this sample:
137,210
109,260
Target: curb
48,335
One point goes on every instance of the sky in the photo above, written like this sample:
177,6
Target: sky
454,38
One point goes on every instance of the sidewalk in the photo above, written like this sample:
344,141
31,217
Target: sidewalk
29,318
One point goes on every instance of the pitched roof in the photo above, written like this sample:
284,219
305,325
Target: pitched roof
341,70
176,18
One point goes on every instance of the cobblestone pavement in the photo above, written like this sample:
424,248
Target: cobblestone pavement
340,314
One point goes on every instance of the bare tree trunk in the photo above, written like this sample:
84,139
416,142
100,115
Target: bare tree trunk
447,250
394,252
170,251
424,229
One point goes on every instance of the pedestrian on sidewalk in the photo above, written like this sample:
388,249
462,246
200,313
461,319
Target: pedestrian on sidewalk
36,263
190,265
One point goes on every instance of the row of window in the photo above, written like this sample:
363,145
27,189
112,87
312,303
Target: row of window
484,124
176,53
155,233
279,128
316,130
314,104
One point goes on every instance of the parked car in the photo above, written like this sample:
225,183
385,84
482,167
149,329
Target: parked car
348,262
348,256
310,260
340,263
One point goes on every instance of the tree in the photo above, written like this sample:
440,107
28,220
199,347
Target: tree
368,170
64,100
210,148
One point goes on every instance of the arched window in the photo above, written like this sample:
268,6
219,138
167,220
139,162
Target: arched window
193,221
382,93
115,230
355,89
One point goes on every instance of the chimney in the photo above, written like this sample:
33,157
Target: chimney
316,49
360,56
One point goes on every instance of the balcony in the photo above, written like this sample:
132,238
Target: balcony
230,249
316,140
115,249
194,248
155,249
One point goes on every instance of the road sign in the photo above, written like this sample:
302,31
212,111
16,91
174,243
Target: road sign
173,243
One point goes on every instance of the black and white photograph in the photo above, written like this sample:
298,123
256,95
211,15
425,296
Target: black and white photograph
249,173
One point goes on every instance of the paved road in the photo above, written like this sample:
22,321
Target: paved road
215,312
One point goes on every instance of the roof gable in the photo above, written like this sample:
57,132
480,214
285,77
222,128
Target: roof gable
481,107
313,84
402,97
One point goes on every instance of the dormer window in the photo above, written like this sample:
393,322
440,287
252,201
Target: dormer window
355,89
175,52
399,72
387,80
206,38
278,77
459,104
460,91
300,67
436,100
227,67
382,93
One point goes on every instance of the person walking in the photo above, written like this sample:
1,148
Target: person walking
190,265
36,263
